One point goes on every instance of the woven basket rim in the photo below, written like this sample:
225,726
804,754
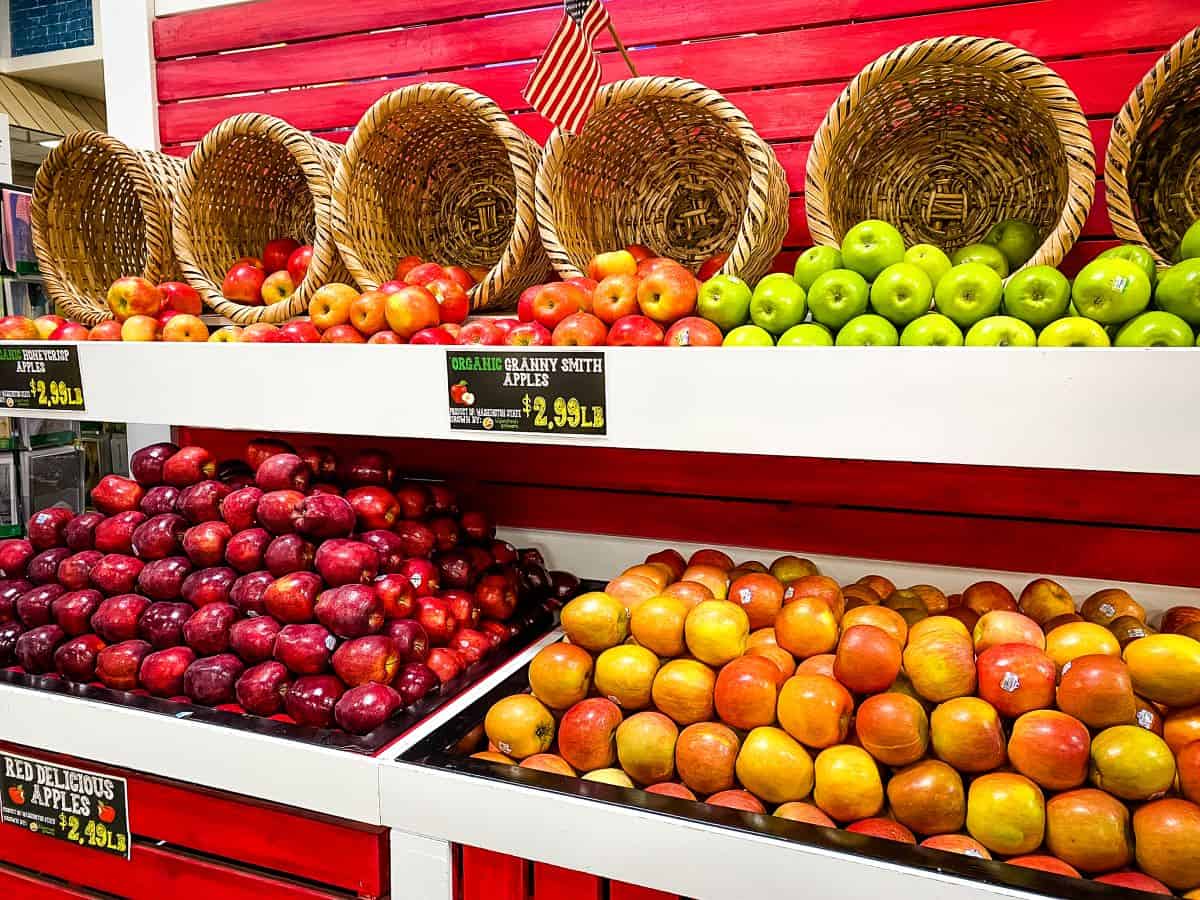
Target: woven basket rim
1125,132
316,174
763,165
1059,102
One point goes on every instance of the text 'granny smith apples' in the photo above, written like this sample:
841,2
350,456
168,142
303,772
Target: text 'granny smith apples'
982,253
837,296
901,293
815,262
1178,291
1111,291
725,301
1001,331
868,330
777,303
1017,240
931,330
969,292
1037,295
870,247
1155,329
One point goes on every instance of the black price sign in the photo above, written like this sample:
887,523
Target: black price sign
85,808
536,392
40,377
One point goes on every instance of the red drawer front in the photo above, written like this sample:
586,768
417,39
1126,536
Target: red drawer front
484,875
345,858
16,884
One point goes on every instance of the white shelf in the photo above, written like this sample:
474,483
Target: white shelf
1116,410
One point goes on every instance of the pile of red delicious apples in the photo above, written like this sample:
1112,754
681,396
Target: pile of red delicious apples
287,584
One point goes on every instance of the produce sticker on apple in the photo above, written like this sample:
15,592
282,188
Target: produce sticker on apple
531,392
86,808
35,377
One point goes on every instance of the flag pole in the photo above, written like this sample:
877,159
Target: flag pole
621,46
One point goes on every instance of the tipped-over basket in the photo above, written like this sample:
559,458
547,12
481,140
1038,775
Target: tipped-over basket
252,179
668,163
101,211
1152,173
945,138
438,171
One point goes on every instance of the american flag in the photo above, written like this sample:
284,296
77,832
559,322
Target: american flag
566,78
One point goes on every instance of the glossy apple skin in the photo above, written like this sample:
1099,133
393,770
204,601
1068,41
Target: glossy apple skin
261,689
422,575
254,639
292,599
368,467
205,543
410,637
324,516
116,619
161,625
247,592
158,537
341,561
477,526
113,494
15,554
202,502
414,681
436,618
117,664
212,680
239,508
364,708
75,659
289,553
283,471
43,568
311,700
75,572
80,531
73,610
388,546
350,611
188,466
207,630
277,510
10,590
246,550
35,648
115,534
146,464
445,663
160,500
161,672
163,579
304,649
396,594
9,632
34,607
496,596
212,585
417,538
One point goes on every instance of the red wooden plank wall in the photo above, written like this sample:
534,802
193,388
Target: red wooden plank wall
320,65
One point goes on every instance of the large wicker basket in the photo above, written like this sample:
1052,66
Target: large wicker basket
1152,174
251,179
668,163
101,211
946,137
439,171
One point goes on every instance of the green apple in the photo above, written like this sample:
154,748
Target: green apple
969,292
808,334
931,330
931,259
870,247
1111,291
814,262
778,303
725,301
1037,295
982,253
1155,329
1017,240
1135,254
868,330
1001,331
1189,247
748,336
1075,331
1178,291
901,293
838,296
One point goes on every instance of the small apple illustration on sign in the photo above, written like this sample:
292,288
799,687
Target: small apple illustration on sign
107,813
16,793
457,391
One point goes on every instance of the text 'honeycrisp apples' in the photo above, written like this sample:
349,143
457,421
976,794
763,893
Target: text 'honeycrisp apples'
35,377
528,392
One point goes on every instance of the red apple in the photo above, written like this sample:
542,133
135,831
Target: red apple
454,569
304,649
470,644
240,508
276,254
289,553
160,500
277,510
366,659
712,266
528,334
555,301
161,672
496,596
389,547
117,617
396,595
117,665
635,331
322,516
162,579
155,538
181,297
411,310
73,610
463,607
342,561
301,332
75,659
205,543
70,331
261,689
445,663
364,708
1016,678
47,527
74,572
422,273
283,471
298,263
211,585
482,332
212,681
247,549
35,648
422,575
368,467
411,638
293,597
461,276
43,568
406,265
667,294
453,305
434,615
33,607
113,494
693,331
525,303
350,611
260,449
310,700
81,530
580,330
254,639
243,284
115,534
247,592
15,554
133,296
441,336
414,681
188,466
115,574
161,625
108,330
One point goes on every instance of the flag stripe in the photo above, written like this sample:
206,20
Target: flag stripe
564,83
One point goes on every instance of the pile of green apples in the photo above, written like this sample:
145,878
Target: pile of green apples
873,291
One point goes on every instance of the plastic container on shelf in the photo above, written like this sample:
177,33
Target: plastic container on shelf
37,434
50,477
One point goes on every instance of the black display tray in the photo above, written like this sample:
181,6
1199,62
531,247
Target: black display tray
436,750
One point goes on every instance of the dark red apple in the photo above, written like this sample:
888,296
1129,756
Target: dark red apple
304,649
235,473
531,556
34,606
161,625
434,614
73,610
375,507
117,665
205,586
260,449
321,461
246,550
323,516
116,618
205,543
368,467
277,511
158,537
416,538
463,607
9,632
116,573
414,500
325,487
261,689
477,526
74,572
10,590
15,555
470,644
443,500
496,596
422,575
289,553
533,582
207,629
479,558
115,534
163,579
310,700
342,561
503,553
161,673
364,708
146,464
396,594
43,568
497,632
563,586
410,637
371,658
283,471
414,681
114,494
254,639
445,533
247,592
35,648
292,599
202,502
160,500
80,531
240,508
445,663
212,681
350,611
389,547
454,568
188,465
75,659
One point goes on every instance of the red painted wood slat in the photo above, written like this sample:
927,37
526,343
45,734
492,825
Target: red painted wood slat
554,883
20,885
619,890
493,876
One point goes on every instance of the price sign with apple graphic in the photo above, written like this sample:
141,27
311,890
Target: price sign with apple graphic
88,809
533,392
33,377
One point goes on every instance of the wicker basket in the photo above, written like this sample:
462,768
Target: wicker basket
946,137
251,179
439,171
1152,173
668,163
101,211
